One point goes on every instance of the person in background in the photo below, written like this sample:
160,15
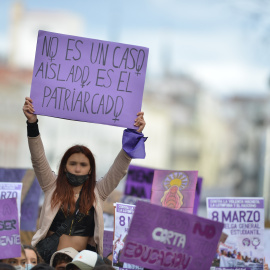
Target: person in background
32,257
85,260
76,181
42,266
265,265
229,254
239,256
62,257
234,254
107,261
104,267
17,262
5,266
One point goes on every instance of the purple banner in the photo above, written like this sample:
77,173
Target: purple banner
174,189
163,238
139,182
197,195
10,243
88,80
30,196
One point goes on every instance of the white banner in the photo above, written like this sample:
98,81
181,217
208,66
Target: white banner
243,220
122,218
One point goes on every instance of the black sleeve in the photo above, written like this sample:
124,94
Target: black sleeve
32,129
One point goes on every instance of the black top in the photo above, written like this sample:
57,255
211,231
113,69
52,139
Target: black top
81,225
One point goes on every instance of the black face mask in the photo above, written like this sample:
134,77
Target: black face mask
76,180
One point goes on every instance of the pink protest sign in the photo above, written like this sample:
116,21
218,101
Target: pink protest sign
88,80
10,243
163,238
174,189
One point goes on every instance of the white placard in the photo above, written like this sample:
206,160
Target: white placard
243,219
122,219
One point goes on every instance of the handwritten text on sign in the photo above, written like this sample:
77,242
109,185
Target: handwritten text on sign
88,80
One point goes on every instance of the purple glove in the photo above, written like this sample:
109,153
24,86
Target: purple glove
133,143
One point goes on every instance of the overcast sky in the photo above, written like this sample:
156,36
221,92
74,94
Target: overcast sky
222,44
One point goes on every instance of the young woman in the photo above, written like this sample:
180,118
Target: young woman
32,257
76,179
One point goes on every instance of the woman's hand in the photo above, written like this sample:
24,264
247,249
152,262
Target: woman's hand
28,110
139,122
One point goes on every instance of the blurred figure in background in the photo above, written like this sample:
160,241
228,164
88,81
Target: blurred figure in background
32,257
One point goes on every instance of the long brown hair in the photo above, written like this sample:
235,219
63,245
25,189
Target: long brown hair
64,193
39,259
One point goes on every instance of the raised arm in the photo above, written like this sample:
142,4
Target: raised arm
28,110
44,174
132,147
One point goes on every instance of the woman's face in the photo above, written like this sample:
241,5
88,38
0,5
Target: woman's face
16,261
78,164
31,256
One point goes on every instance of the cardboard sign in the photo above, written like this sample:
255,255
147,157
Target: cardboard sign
122,218
31,191
174,189
197,195
139,182
88,80
10,244
163,238
243,220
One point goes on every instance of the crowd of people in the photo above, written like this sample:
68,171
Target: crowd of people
71,226
67,258
238,255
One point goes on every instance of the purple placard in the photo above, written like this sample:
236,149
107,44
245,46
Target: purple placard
107,243
139,182
30,204
197,195
174,189
10,243
163,238
88,80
